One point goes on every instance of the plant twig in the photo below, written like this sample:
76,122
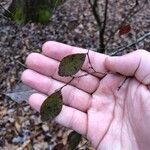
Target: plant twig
102,31
122,83
91,66
130,45
132,12
65,84
122,22
89,60
101,25
94,10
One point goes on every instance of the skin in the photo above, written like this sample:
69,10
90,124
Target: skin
111,118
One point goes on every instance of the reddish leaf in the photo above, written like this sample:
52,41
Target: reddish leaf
124,30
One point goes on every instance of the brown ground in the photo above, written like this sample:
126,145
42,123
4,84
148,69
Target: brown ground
73,24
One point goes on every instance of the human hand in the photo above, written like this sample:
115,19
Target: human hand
93,106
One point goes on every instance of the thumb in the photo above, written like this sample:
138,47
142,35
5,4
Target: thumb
135,64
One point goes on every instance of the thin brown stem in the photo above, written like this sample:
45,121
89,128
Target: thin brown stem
109,126
130,45
94,7
122,83
102,31
66,84
131,13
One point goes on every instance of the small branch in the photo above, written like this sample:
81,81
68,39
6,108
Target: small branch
91,66
83,75
128,16
65,84
101,25
19,62
130,45
105,16
109,125
89,60
94,7
102,31
122,83
73,77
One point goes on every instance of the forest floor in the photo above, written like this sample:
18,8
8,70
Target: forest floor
74,24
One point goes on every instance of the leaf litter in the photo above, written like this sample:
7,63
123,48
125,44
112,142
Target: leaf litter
20,93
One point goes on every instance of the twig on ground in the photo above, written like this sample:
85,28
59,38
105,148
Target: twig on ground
19,62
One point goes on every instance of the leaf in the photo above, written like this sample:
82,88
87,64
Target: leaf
124,30
20,93
74,139
71,64
52,106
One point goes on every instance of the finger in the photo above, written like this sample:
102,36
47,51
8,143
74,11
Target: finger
71,96
68,117
133,64
58,51
49,67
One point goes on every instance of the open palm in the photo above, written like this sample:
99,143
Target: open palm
110,113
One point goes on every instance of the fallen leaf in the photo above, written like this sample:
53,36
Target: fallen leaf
124,30
52,106
18,126
74,139
20,93
71,64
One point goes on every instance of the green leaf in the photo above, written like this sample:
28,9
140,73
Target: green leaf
52,106
71,64
74,139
